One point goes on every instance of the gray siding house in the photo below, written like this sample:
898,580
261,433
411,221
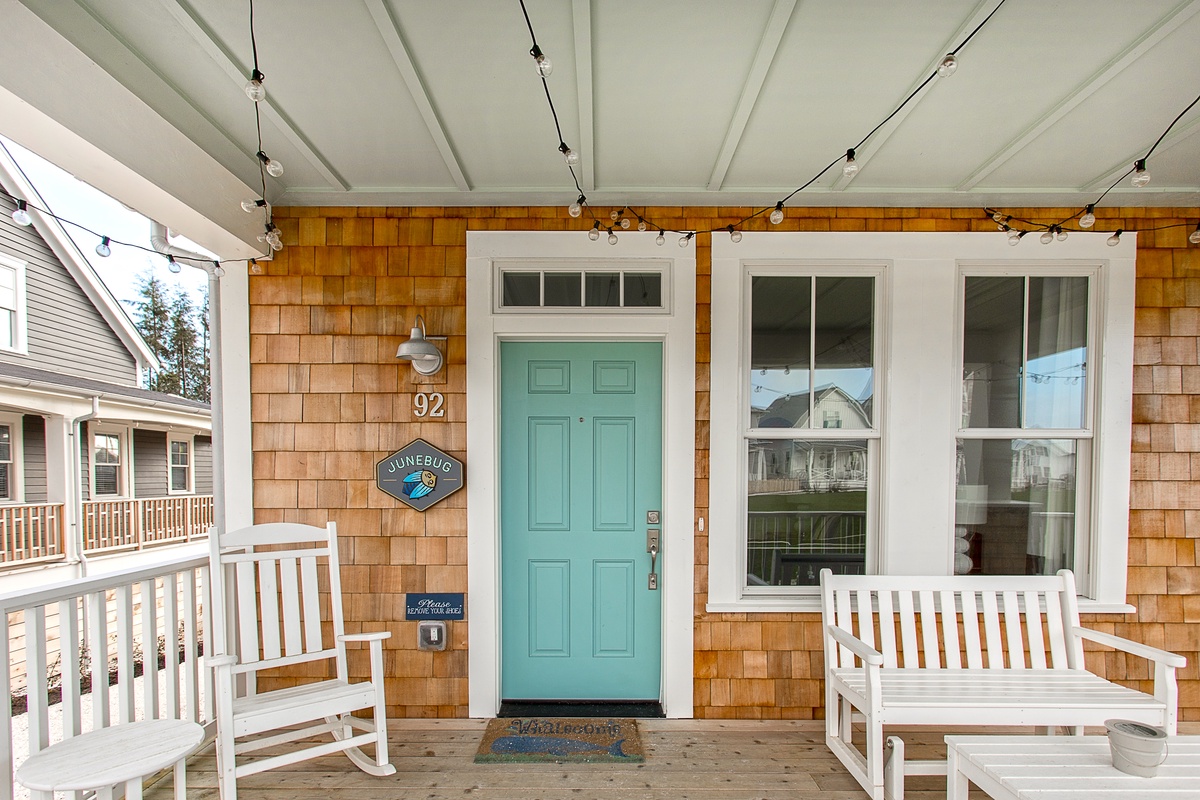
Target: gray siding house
90,461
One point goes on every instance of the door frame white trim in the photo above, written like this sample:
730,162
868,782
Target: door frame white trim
485,330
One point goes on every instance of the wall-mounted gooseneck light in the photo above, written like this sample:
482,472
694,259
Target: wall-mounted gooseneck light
425,356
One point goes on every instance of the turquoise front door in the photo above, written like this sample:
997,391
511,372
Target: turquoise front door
580,471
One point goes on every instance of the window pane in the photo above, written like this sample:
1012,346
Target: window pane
5,484
521,288
1015,509
179,453
603,288
1055,369
992,337
5,443
780,327
807,510
179,479
562,288
844,375
108,449
643,290
8,328
106,479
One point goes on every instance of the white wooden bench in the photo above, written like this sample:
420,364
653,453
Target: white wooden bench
966,651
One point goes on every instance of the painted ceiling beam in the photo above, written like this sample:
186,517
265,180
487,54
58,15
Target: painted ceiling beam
75,114
1143,45
768,46
229,64
863,155
581,23
389,29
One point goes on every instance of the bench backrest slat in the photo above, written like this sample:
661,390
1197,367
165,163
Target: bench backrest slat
977,622
1012,626
950,630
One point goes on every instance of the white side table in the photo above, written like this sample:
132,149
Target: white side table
1064,768
103,758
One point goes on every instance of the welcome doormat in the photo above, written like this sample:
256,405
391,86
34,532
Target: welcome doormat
560,739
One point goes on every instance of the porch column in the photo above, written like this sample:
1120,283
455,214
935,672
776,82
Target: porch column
62,453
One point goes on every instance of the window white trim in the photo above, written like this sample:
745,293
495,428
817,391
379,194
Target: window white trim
485,330
124,469
190,441
16,423
21,321
920,324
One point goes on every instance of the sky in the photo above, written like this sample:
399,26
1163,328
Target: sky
123,271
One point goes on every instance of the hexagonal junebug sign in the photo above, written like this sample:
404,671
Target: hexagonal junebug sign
419,474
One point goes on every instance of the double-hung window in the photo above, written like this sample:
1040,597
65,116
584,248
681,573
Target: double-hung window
12,304
6,461
916,404
809,433
106,464
180,454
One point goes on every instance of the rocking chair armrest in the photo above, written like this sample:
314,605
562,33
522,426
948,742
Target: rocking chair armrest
374,636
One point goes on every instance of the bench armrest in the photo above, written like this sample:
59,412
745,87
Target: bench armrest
868,654
376,636
1134,648
221,661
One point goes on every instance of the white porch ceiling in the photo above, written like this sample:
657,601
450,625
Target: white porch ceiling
670,102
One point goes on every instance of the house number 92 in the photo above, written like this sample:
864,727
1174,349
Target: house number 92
429,405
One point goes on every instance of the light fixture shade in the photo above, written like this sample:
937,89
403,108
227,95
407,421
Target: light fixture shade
424,354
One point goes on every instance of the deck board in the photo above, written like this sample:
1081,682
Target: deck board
685,760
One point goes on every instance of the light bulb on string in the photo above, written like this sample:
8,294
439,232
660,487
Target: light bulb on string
1089,217
569,155
1194,236
777,214
997,217
661,239
254,88
850,169
686,239
947,66
1115,239
1060,234
614,215
102,249
612,236
255,267
250,206
1140,176
274,168
174,266
642,226
544,65
576,208
1014,237
21,216
735,235
625,223
594,233
1047,237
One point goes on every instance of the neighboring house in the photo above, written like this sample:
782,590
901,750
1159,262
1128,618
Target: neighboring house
89,460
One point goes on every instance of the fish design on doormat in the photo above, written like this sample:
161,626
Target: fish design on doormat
554,745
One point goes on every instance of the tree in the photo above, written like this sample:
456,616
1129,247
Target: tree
178,336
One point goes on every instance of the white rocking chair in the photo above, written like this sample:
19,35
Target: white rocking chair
267,614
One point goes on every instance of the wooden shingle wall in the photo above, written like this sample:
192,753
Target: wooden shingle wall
329,400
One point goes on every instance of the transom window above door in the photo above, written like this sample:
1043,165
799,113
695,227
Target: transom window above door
590,289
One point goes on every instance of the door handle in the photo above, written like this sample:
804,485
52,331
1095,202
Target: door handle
653,586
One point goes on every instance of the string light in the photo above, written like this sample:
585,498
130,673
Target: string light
1014,237
1140,176
612,236
569,155
20,215
544,65
1089,216
254,88
274,168
1194,236
947,66
102,249
661,239
576,208
686,238
250,206
594,233
1115,239
851,167
735,235
777,213
1047,237
174,265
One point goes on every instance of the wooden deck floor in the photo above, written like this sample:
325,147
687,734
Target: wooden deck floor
685,760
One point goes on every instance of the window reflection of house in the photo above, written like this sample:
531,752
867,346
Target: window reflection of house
809,465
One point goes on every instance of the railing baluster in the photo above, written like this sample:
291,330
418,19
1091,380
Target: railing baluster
68,648
149,648
125,702
98,647
35,679
171,644
191,685
6,748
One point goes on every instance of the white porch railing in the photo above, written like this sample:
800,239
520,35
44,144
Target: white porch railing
126,617
126,524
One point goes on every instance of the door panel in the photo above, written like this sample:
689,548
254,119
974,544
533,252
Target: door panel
581,464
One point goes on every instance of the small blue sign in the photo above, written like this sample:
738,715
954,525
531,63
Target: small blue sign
446,605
